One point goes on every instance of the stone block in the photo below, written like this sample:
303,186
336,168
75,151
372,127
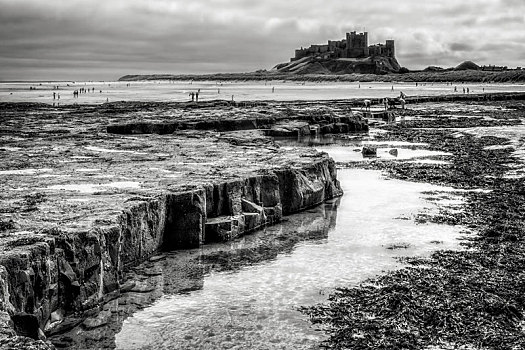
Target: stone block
185,219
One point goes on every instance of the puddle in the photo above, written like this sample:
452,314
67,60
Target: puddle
496,147
232,302
350,149
90,188
88,170
429,161
12,149
25,171
106,150
343,154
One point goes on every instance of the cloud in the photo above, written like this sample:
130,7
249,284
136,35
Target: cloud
100,39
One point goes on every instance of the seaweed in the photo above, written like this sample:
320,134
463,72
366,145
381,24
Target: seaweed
473,298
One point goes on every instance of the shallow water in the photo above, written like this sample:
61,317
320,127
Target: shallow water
350,149
241,91
91,188
253,306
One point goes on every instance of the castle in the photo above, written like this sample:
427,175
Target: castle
354,46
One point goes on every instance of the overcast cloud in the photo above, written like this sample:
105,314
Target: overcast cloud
105,39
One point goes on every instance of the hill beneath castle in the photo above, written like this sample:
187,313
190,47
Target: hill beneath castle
314,65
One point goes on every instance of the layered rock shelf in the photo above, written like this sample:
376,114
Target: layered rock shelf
276,120
79,205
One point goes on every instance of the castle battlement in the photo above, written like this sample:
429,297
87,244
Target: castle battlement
355,45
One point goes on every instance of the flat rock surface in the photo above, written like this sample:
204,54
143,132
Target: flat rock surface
61,170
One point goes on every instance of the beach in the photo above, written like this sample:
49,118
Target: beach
82,178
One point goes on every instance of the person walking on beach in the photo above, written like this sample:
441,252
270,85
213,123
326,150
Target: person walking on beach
192,95
54,95
197,96
385,103
468,91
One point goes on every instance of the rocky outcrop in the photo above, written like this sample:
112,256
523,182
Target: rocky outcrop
289,126
45,276
170,127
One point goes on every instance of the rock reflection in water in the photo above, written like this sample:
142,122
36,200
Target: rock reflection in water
182,272
252,287
245,293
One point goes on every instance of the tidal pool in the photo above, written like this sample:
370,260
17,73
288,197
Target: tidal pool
245,294
350,150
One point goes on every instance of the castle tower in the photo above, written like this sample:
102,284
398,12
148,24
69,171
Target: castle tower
390,49
357,44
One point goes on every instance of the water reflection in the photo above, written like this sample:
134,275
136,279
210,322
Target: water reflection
178,278
350,148
244,294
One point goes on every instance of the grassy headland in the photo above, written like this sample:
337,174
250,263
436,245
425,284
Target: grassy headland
479,76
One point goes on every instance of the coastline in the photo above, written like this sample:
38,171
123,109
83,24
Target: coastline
513,76
471,163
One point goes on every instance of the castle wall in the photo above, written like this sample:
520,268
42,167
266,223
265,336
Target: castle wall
354,46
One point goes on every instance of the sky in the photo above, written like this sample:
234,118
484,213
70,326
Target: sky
105,39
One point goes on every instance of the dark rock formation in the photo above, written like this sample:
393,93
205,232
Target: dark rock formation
75,272
277,126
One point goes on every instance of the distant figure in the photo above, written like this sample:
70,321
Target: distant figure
367,104
468,91
54,95
58,96
273,89
107,99
392,87
218,91
463,90
402,101
192,95
402,95
197,96
455,89
385,103
416,84
359,86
